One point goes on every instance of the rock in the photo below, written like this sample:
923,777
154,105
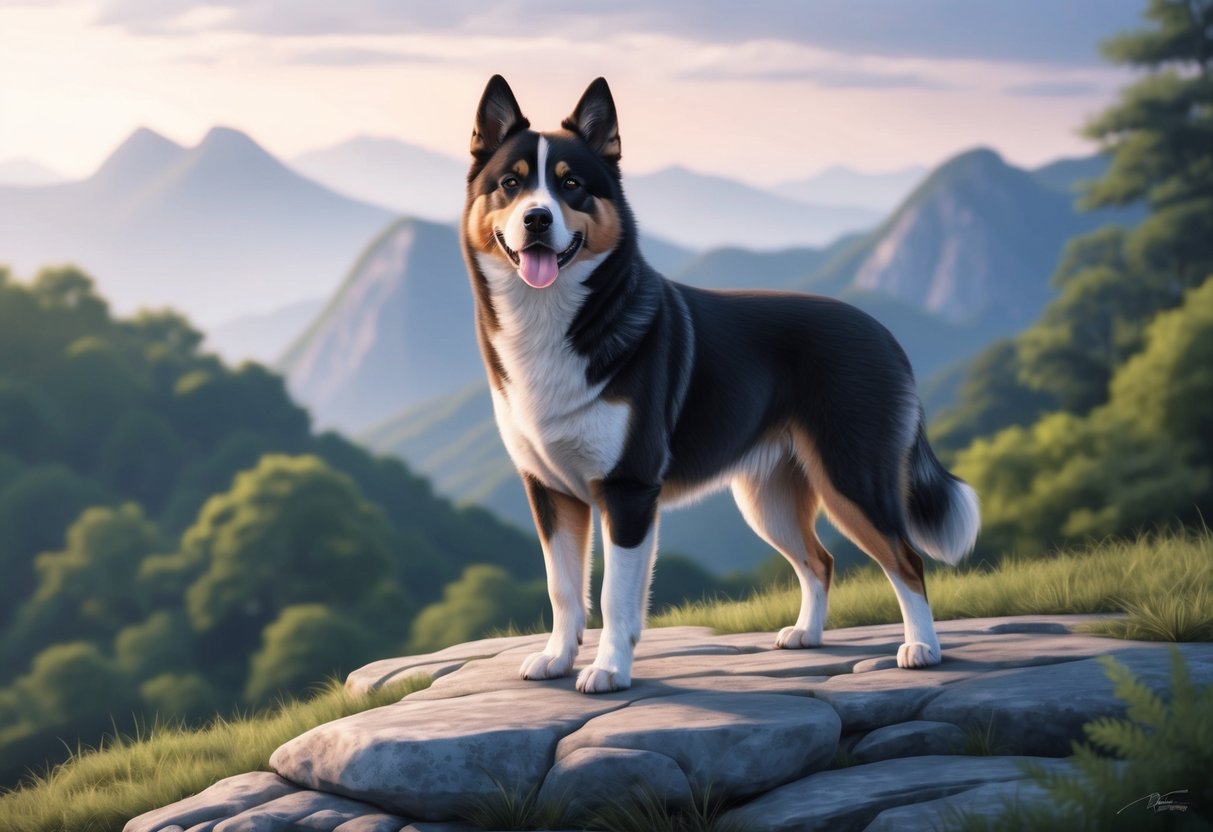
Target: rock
590,778
909,739
309,810
224,799
850,798
727,712
733,743
430,759
988,802
1040,710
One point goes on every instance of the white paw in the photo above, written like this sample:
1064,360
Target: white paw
545,666
794,638
596,679
917,654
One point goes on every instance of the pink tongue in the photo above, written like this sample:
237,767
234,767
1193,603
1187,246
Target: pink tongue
537,265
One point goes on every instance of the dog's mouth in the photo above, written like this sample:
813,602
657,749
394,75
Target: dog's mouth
538,264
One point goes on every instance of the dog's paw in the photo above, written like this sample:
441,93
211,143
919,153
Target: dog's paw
794,638
596,679
917,654
545,666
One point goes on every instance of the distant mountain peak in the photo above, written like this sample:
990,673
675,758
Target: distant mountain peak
229,141
142,154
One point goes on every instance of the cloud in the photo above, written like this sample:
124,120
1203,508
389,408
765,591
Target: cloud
356,56
1026,31
1058,89
821,76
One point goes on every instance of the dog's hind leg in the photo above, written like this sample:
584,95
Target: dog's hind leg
781,508
564,530
878,535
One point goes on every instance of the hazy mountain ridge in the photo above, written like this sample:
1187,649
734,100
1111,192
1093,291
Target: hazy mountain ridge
840,185
220,226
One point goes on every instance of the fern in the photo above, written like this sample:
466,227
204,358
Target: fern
1160,746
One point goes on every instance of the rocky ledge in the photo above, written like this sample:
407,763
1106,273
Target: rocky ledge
835,737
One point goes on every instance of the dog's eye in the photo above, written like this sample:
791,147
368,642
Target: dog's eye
570,184
509,183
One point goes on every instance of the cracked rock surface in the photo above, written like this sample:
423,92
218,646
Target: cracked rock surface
832,737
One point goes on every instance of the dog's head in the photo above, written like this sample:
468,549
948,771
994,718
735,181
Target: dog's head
541,202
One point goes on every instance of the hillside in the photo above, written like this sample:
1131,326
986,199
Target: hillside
240,229
974,244
262,336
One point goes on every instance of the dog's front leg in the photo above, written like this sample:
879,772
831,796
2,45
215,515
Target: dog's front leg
629,531
563,523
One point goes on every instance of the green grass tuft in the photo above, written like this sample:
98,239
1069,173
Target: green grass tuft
1162,582
100,789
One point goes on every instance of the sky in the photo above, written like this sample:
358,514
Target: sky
761,91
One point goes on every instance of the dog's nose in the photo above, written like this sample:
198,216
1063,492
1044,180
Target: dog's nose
537,220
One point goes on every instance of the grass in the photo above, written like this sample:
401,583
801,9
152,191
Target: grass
100,789
1161,582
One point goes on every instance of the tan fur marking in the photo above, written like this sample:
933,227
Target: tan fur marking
562,168
521,168
481,223
892,555
601,229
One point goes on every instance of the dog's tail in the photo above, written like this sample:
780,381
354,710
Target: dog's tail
942,511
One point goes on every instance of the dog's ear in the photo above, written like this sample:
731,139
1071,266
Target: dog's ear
594,119
497,118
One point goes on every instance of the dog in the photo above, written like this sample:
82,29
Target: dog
617,388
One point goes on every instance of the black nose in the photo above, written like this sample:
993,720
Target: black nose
537,220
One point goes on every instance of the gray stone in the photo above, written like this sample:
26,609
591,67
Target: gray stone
850,798
590,778
372,823
377,674
228,797
428,759
909,739
988,802
733,743
1040,710
300,810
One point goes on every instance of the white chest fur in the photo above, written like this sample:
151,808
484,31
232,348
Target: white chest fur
555,426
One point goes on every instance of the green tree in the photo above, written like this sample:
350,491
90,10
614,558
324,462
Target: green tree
73,683
184,696
141,458
35,509
304,646
290,531
991,397
163,642
1161,138
86,588
484,599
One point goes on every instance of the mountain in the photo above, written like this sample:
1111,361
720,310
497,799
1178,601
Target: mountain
27,172
880,192
974,244
220,227
399,330
391,173
1069,174
701,212
264,336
